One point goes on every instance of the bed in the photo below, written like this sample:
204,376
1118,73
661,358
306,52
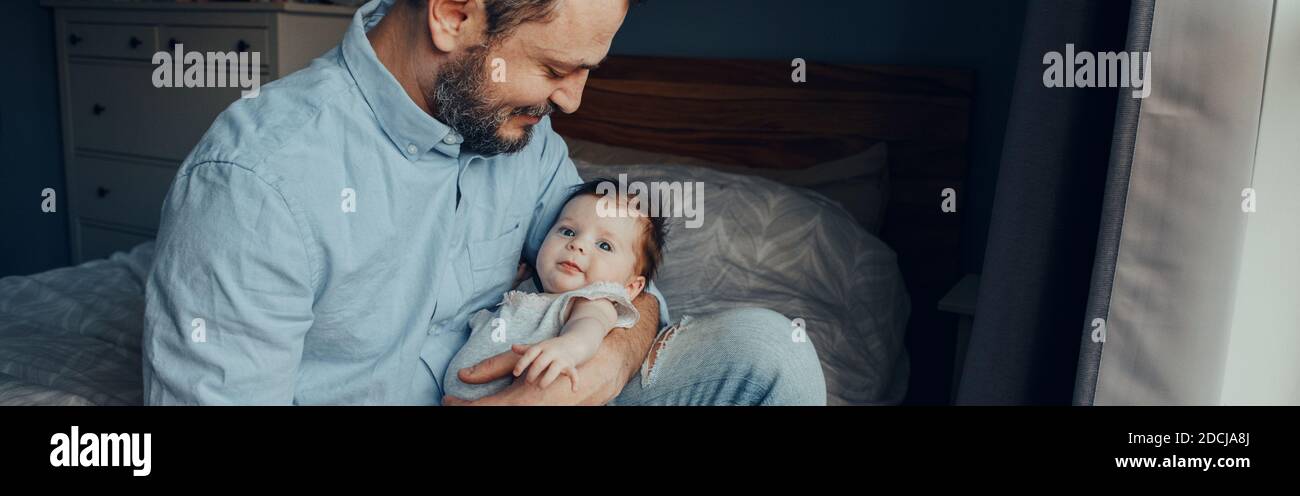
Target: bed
822,203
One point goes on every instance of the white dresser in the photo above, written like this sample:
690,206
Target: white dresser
123,138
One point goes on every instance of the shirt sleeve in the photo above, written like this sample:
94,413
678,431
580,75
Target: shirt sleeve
562,177
229,300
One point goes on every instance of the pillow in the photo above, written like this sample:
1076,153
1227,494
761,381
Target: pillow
859,183
787,249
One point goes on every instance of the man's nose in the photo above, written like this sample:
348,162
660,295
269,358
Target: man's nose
568,97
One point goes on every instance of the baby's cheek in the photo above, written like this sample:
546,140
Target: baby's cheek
629,267
612,269
547,251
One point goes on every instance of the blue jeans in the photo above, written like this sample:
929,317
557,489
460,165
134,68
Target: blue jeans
744,356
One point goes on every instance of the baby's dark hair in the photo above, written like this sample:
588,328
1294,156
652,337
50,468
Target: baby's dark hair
652,239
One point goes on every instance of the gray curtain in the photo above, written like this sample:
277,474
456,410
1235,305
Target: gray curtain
1112,213
1024,344
1170,247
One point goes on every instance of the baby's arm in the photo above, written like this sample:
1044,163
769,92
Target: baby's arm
588,324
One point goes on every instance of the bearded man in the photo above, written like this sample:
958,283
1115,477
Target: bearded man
333,236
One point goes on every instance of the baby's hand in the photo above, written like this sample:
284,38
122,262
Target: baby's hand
553,357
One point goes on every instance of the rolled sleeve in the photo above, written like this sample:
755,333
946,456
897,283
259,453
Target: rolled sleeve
232,263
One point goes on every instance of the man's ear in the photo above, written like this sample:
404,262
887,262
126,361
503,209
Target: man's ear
634,288
454,24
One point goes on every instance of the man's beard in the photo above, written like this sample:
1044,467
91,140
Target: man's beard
462,101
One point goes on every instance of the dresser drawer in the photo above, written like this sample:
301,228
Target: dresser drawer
101,242
116,108
125,41
206,40
119,192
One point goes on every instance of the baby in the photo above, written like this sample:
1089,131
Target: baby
598,256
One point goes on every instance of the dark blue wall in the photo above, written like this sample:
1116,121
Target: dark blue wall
980,35
31,157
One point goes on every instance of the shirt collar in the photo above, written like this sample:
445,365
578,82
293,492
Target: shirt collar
411,130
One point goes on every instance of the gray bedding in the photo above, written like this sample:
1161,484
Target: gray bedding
72,335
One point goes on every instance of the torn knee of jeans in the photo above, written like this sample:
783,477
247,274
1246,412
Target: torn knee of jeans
656,349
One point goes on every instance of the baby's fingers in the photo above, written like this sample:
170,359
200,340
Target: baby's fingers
527,359
553,372
543,362
572,372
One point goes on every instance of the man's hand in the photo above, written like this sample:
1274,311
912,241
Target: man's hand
603,376
546,361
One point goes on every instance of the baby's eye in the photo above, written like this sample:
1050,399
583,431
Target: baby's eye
566,232
604,245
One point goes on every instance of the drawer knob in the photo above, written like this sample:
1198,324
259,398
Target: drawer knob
242,46
134,42
101,191
97,109
73,39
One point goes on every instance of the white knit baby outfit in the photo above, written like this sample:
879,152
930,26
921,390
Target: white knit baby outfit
524,318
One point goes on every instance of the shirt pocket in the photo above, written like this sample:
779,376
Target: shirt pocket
494,261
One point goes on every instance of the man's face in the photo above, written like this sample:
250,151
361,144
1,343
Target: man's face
545,66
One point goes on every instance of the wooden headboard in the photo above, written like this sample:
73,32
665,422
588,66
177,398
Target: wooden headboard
750,113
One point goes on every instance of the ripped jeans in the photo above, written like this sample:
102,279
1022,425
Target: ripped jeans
743,356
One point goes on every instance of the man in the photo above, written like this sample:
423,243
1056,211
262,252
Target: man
326,242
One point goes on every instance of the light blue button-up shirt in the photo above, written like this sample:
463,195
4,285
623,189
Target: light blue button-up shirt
327,241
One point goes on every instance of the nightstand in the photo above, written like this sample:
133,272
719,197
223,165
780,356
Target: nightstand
961,300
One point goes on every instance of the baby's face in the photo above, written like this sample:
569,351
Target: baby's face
583,248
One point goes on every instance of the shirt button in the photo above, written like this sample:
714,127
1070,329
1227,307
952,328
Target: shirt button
450,139
412,149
